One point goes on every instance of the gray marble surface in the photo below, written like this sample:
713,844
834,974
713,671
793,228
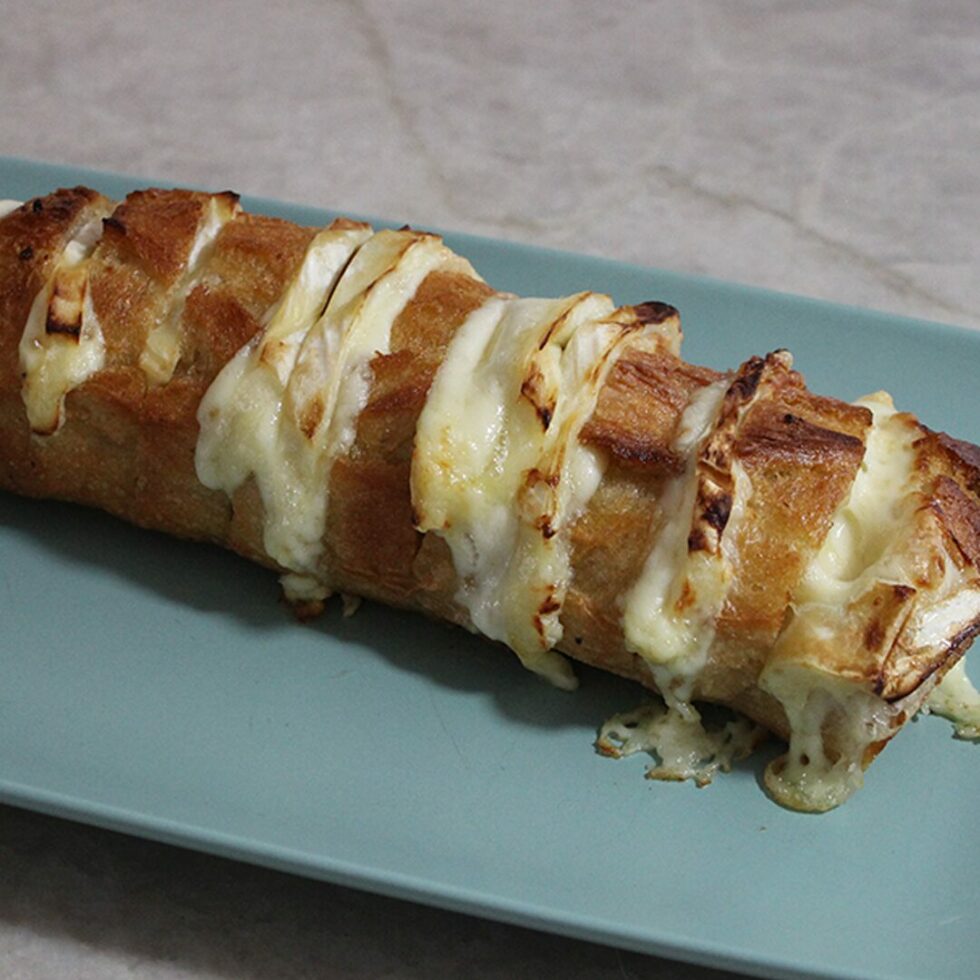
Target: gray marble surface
827,148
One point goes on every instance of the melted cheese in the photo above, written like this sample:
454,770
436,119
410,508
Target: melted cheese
958,609
957,699
565,476
684,746
809,777
6,206
669,632
242,432
62,344
162,351
331,381
861,550
498,470
857,548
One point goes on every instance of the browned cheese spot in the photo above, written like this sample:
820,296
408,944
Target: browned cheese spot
549,605
653,311
64,315
544,525
717,511
903,592
697,540
54,325
874,635
687,598
532,389
746,382
312,416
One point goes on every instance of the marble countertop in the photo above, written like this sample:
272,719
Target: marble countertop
828,149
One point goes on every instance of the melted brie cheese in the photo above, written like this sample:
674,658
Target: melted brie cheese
946,618
957,699
671,634
565,476
808,777
857,549
162,351
684,746
62,344
242,432
861,550
498,470
331,381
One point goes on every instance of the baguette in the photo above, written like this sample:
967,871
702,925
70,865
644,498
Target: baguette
361,412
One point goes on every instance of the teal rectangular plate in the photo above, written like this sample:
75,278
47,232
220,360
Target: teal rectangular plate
157,687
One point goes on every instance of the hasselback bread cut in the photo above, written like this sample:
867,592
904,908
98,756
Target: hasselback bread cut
360,411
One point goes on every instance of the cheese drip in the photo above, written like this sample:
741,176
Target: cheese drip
862,549
662,623
957,699
685,747
242,430
286,405
162,351
669,614
62,344
498,470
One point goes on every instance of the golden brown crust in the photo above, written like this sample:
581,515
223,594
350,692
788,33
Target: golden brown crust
373,547
962,456
153,229
138,263
959,515
639,406
253,258
945,542
93,460
610,544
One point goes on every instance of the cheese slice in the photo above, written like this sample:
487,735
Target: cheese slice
669,615
863,551
857,548
812,777
62,344
331,380
808,777
957,699
162,351
498,470
669,632
242,432
564,477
